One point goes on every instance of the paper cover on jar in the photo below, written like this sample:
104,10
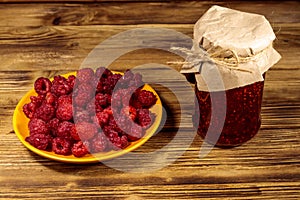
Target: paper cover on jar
238,44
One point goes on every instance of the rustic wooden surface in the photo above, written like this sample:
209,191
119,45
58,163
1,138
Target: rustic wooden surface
45,38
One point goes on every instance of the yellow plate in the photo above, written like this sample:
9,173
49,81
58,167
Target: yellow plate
20,124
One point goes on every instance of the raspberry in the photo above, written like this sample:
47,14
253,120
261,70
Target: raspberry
82,116
38,100
136,104
130,112
65,129
61,146
136,132
85,75
131,80
42,85
53,126
60,86
45,112
103,100
111,126
83,87
29,110
144,118
109,83
146,98
64,112
126,78
121,98
102,118
64,99
91,108
81,98
99,143
119,142
79,149
102,73
86,130
40,141
71,80
99,87
51,99
38,126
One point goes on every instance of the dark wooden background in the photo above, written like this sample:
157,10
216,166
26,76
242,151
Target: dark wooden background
45,38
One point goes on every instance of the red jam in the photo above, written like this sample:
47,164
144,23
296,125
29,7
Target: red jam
242,120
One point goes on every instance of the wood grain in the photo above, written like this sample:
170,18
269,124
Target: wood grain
46,39
125,13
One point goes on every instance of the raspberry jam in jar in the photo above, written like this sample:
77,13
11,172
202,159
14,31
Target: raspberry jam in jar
231,53
242,120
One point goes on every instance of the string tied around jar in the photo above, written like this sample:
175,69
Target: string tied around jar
223,57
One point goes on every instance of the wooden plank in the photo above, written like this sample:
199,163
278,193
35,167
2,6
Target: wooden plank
183,12
51,47
238,173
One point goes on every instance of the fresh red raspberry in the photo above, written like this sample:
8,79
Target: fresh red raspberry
29,110
85,75
113,124
116,78
121,98
144,118
86,130
99,143
42,85
136,132
110,82
38,100
64,99
102,118
71,80
65,129
82,116
45,112
84,87
147,98
79,149
103,100
53,126
99,88
91,108
38,126
61,146
81,99
102,73
119,142
60,86
108,110
126,78
130,112
136,104
51,99
64,112
40,141
130,79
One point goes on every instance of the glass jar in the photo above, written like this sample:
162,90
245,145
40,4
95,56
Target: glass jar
243,118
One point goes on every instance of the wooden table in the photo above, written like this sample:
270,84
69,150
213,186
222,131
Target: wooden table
46,38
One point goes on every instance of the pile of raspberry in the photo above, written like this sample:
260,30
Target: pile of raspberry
94,111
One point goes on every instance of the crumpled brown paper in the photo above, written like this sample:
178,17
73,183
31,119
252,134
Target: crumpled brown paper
237,44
